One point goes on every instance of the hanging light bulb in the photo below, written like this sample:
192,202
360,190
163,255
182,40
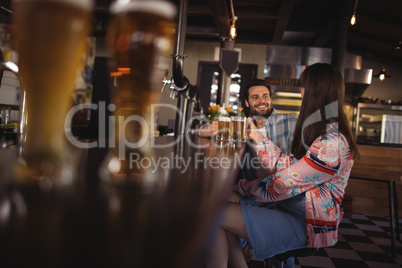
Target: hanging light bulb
398,45
382,75
353,19
233,31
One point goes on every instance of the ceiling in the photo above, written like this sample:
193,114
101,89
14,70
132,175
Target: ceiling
311,23
304,23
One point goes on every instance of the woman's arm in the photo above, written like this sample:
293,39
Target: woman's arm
318,166
271,157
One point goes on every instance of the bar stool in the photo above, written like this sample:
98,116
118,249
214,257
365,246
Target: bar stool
281,258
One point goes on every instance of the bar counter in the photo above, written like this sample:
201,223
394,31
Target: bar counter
381,164
168,222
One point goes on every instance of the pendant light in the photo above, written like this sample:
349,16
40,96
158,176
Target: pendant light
382,74
353,19
233,30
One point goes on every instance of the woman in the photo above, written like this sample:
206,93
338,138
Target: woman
300,204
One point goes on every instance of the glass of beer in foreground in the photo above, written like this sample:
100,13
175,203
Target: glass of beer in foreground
238,128
141,39
223,128
51,39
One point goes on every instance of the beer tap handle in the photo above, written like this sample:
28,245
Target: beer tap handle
172,88
165,81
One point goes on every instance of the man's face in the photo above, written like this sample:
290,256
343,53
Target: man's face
259,101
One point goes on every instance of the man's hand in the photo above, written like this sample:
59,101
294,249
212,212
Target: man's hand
209,130
214,128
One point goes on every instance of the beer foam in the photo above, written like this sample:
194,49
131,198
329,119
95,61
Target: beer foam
237,118
84,4
157,7
224,118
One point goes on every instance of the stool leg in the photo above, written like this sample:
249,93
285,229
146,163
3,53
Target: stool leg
391,216
398,237
268,263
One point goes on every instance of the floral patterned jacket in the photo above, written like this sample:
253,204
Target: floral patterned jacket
322,174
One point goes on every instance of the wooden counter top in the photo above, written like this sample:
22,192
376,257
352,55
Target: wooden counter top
377,162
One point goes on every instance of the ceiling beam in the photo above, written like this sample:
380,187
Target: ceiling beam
372,37
283,19
375,55
325,37
379,17
220,12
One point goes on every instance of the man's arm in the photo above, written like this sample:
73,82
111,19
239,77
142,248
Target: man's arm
209,129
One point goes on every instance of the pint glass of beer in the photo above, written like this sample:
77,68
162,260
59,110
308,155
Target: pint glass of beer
51,39
141,39
237,128
223,128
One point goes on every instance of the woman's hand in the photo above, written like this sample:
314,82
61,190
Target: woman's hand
234,198
253,133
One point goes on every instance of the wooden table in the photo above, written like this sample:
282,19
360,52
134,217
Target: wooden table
382,164
168,223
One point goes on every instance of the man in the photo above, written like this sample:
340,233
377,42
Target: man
278,127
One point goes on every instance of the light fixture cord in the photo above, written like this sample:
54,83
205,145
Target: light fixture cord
231,7
354,8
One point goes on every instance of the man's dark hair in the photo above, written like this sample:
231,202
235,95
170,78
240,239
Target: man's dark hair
257,82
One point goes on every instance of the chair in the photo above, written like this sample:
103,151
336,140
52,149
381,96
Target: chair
281,258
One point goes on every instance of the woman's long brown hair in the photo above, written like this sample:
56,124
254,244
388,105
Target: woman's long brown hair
324,88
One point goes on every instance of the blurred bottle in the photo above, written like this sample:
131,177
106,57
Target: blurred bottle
141,39
50,41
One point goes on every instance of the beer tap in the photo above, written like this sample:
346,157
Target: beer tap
165,81
175,89
179,82
172,92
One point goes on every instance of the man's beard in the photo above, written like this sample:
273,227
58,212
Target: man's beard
257,113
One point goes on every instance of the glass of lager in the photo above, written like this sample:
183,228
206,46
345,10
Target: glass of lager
223,128
50,42
141,39
238,128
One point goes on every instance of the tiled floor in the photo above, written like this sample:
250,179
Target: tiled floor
364,241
